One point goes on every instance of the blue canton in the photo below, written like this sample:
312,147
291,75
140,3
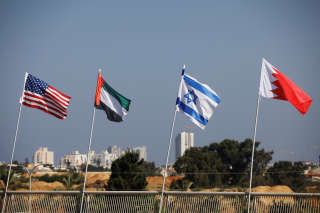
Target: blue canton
191,97
36,85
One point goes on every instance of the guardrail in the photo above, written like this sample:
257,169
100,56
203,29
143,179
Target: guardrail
148,201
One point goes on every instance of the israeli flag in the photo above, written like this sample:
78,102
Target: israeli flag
196,100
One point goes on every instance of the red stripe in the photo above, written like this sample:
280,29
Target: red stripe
48,97
55,99
45,105
38,107
57,96
46,100
60,93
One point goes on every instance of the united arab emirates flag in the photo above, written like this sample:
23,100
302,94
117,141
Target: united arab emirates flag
113,103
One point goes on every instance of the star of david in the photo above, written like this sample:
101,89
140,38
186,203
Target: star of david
191,97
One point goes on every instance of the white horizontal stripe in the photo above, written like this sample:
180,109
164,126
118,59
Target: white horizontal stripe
58,94
47,98
203,98
53,96
204,106
45,103
202,86
193,115
112,103
57,97
46,108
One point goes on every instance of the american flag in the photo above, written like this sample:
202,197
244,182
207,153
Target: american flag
38,94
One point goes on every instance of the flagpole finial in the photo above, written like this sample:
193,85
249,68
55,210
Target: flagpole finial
100,70
183,68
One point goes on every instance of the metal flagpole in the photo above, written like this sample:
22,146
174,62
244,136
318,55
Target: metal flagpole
168,154
165,171
253,148
89,149
14,145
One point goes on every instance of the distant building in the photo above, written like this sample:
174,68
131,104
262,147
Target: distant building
114,150
43,156
184,141
104,159
73,160
142,151
91,155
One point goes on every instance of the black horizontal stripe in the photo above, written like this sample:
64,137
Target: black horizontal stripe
111,115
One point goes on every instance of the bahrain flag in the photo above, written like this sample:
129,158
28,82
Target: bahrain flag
275,85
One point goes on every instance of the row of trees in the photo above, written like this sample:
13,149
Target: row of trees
228,164
219,164
224,164
18,180
128,173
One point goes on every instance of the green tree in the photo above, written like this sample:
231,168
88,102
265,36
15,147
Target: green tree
26,161
68,179
236,156
127,173
288,173
4,176
92,168
150,169
16,181
200,166
224,163
71,178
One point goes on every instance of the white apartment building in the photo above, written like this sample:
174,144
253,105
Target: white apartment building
115,150
103,159
73,160
43,156
142,151
184,141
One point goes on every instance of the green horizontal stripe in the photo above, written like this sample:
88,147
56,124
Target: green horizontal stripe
124,102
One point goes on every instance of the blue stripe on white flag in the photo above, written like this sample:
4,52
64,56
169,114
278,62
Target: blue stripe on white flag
201,88
188,110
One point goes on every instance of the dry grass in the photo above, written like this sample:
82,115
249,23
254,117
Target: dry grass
98,180
155,182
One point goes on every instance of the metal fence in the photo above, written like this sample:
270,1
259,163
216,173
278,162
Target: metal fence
146,201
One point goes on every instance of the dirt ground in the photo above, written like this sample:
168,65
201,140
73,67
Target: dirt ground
98,180
155,183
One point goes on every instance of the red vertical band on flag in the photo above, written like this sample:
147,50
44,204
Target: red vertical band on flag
289,91
100,82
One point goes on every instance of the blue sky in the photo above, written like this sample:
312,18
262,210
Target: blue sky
141,47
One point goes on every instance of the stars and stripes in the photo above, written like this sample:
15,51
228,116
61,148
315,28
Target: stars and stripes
38,94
